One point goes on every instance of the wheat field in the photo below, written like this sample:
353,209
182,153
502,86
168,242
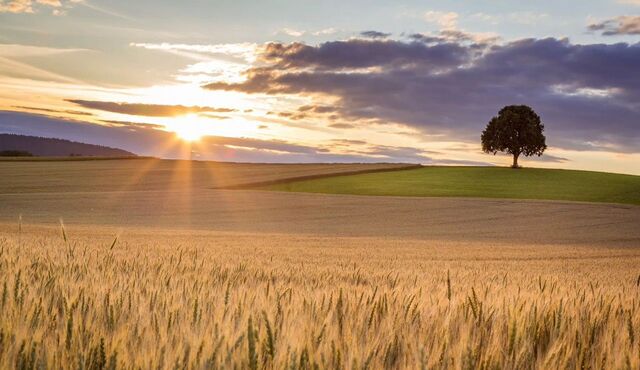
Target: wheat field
99,298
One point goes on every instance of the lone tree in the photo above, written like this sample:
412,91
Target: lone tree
516,130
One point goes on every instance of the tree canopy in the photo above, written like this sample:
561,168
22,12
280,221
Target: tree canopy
516,130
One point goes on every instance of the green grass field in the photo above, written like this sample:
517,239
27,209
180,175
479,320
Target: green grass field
480,182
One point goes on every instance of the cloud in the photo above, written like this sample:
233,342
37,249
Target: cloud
548,158
396,153
290,115
30,6
223,62
526,18
16,6
292,32
447,20
341,125
149,110
317,108
214,116
12,64
15,68
105,11
382,152
114,123
584,93
312,112
374,34
150,139
59,111
299,33
359,53
238,52
326,31
623,25
54,3
144,139
456,36
18,51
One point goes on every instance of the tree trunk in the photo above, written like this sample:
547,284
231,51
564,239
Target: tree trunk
515,160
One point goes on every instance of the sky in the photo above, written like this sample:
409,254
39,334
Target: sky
325,81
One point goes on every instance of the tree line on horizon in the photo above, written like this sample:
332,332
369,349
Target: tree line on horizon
13,145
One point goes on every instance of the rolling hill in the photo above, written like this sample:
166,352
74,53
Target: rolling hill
480,182
49,147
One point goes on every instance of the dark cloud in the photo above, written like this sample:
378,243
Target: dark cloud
624,25
67,111
424,38
384,152
404,154
214,116
131,124
317,108
375,34
257,144
136,138
149,110
290,115
360,53
307,112
341,125
584,93
150,140
346,142
457,36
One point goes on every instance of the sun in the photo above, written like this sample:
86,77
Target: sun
189,128
189,135
193,127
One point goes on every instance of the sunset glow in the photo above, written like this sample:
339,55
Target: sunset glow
415,87
189,128
303,184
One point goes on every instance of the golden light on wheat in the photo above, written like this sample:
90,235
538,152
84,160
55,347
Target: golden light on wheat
160,299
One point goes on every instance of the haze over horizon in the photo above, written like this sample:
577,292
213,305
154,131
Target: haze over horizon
332,81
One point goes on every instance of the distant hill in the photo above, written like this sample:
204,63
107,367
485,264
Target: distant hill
48,147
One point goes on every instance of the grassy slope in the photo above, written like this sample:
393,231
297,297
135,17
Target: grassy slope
485,182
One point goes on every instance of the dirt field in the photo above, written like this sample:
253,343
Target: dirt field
258,211
186,195
180,194
36,176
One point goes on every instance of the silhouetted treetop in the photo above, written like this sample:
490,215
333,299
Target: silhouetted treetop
517,130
